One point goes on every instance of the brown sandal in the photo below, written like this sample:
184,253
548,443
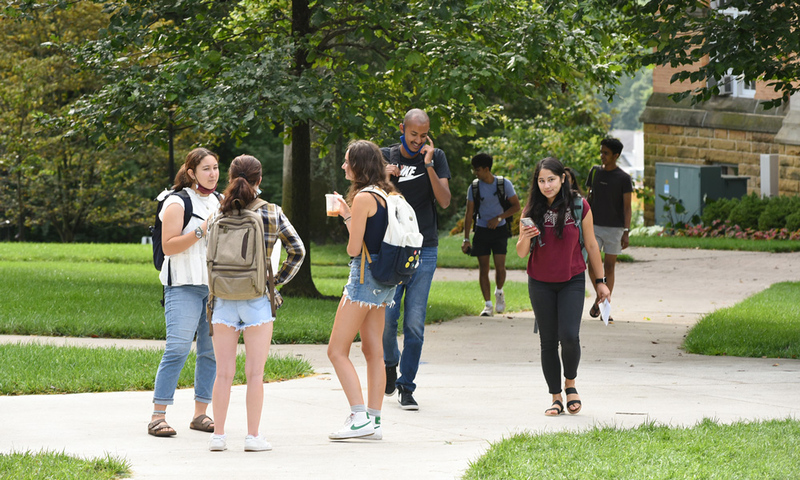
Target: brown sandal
160,428
203,423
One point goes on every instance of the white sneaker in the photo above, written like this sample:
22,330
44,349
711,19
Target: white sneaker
217,443
376,425
487,311
357,425
256,444
500,302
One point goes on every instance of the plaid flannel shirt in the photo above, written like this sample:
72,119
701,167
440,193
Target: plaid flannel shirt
277,226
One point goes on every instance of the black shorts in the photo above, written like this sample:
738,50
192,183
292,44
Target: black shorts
486,241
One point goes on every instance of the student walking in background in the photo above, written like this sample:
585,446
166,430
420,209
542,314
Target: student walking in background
185,280
421,173
551,236
491,203
252,318
363,304
611,190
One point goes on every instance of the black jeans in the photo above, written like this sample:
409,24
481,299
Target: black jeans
558,308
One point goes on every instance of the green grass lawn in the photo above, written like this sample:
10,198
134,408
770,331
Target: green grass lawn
766,324
39,369
765,450
46,465
113,291
773,246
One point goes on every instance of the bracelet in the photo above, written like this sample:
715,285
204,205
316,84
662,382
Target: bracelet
625,230
428,165
465,240
346,219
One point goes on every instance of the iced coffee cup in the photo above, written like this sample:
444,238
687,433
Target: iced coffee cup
332,204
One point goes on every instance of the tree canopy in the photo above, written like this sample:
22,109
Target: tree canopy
333,70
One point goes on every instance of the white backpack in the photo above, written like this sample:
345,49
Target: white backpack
398,258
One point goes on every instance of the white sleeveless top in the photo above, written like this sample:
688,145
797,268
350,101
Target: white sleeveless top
189,266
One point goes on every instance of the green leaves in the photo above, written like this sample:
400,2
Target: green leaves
759,41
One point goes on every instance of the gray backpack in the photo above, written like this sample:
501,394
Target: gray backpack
238,267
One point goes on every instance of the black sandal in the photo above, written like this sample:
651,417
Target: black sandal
572,391
557,406
594,312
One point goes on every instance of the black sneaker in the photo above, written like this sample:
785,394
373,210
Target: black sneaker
391,378
406,399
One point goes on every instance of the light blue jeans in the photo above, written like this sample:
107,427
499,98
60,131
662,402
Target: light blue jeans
185,314
415,309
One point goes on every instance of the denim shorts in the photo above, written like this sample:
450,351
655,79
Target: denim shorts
609,239
370,293
240,314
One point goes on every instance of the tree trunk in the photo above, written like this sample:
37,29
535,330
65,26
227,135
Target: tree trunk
296,182
20,236
297,168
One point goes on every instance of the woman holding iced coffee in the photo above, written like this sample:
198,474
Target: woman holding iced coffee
361,309
550,235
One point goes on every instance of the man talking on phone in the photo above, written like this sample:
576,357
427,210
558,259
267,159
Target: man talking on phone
421,173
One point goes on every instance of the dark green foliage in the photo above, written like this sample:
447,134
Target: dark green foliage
793,221
761,42
747,212
776,212
719,209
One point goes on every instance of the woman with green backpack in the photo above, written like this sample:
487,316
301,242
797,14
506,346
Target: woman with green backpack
244,312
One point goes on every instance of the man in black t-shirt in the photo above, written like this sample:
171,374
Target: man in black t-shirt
611,190
420,172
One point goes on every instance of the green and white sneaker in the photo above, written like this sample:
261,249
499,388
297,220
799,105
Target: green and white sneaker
376,426
357,425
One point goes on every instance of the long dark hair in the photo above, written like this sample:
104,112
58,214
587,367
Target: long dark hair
537,206
193,159
368,167
243,177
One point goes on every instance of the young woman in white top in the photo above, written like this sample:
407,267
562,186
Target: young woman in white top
251,319
185,279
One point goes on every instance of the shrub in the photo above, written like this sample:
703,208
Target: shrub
776,212
793,222
747,212
719,209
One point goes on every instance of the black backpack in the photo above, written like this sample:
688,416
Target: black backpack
155,231
501,194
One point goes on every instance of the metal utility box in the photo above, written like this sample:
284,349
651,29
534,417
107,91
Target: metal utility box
692,185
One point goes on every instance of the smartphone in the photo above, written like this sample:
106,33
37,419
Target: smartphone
527,222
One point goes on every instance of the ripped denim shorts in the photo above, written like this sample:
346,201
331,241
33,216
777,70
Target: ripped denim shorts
240,314
369,293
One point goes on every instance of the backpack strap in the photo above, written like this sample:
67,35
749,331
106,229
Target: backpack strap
501,187
577,210
364,252
476,200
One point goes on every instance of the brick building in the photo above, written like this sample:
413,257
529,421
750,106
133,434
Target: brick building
731,130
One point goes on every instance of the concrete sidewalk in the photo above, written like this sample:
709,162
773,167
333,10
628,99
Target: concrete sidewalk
480,381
